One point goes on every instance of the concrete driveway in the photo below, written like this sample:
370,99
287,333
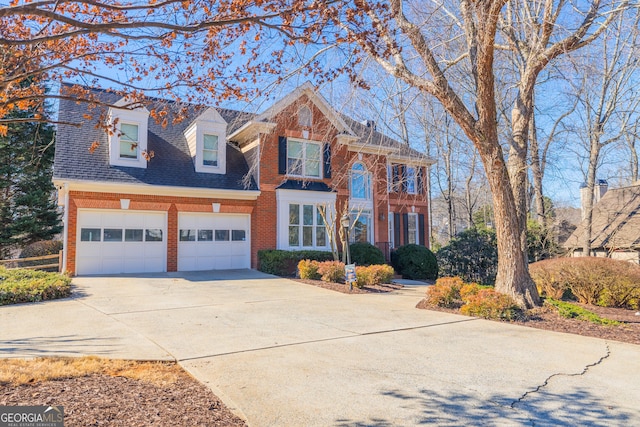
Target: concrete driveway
281,353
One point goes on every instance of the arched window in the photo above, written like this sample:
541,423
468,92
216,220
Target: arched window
360,182
304,116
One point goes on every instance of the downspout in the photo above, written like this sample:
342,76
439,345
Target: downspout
66,227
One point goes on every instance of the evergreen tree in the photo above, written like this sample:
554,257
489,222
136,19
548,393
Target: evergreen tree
28,211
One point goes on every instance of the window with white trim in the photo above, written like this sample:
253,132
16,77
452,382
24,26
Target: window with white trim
360,182
412,226
306,226
129,140
210,150
411,180
362,226
304,158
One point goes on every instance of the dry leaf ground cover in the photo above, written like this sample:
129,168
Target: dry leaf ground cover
104,392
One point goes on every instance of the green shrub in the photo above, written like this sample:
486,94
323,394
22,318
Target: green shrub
415,262
373,275
591,280
489,304
308,269
471,255
19,286
446,292
285,263
364,253
331,271
571,311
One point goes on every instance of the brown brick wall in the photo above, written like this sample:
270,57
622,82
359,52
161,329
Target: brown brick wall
170,204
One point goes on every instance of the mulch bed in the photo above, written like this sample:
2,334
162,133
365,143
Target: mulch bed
103,400
341,287
549,319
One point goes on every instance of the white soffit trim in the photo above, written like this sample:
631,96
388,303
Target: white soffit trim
424,161
159,190
249,131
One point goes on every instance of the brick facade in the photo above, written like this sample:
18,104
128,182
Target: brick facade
170,204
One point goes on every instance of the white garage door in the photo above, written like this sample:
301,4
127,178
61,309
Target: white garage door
209,241
111,242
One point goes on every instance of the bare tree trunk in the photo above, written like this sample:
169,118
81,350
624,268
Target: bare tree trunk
536,172
513,275
594,154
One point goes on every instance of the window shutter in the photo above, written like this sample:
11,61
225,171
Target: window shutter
396,230
327,160
395,178
421,229
405,228
282,155
404,178
420,180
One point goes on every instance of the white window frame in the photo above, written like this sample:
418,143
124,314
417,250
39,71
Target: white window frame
368,213
217,150
412,179
304,158
301,197
391,230
136,142
416,233
366,176
208,123
138,117
315,225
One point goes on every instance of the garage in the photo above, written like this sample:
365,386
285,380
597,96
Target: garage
211,241
113,242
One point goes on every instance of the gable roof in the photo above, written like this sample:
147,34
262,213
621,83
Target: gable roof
318,100
172,164
616,221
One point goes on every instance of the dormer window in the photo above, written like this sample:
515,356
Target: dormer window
210,150
129,140
128,135
304,117
206,138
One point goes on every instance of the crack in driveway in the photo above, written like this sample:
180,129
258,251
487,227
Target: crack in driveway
353,335
550,377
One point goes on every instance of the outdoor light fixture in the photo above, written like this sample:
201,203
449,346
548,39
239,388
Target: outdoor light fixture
345,222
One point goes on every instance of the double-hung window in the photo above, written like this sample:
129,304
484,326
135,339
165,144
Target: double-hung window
306,226
412,226
210,150
411,180
304,158
129,140
362,226
360,182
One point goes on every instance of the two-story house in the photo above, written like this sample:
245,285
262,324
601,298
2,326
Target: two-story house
212,189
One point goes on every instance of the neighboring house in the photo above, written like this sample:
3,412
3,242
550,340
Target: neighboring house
221,185
615,230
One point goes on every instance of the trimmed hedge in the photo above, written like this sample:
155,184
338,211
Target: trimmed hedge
19,286
373,275
415,262
285,263
364,253
590,280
